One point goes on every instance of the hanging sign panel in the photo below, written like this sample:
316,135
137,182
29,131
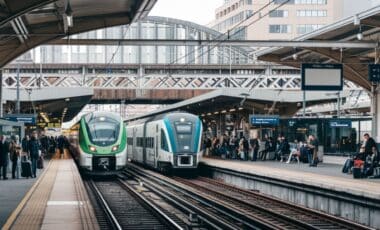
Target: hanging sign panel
264,120
323,77
374,73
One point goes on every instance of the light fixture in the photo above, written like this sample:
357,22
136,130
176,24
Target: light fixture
232,110
224,111
67,99
115,148
69,15
360,34
208,114
46,119
92,148
240,108
216,112
295,56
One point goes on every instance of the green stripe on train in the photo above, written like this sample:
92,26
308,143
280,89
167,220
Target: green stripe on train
84,141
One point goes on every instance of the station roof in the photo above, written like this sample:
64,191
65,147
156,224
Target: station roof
264,101
55,102
355,60
25,24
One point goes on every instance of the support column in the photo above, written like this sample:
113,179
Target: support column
375,111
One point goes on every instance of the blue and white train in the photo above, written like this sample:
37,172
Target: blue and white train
167,141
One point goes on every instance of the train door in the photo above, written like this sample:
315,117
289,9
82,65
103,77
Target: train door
144,143
156,143
134,141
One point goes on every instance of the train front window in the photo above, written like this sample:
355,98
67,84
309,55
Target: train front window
103,131
184,137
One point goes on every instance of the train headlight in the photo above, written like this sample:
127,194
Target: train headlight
115,148
92,148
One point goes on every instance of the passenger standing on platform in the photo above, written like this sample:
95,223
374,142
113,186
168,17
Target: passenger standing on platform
25,146
15,152
4,156
208,145
285,148
278,148
370,154
60,144
52,145
267,146
231,147
254,144
246,148
34,150
44,140
369,145
313,151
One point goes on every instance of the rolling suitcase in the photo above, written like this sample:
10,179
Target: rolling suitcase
40,163
26,168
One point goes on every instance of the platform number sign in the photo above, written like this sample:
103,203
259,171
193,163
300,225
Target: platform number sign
374,72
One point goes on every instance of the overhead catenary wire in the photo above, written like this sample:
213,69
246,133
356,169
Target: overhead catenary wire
227,33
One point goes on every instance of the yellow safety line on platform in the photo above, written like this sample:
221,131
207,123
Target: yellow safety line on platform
12,218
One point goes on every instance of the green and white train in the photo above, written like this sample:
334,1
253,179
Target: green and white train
98,143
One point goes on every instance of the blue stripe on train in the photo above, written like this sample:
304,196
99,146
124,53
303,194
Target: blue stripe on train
197,134
170,132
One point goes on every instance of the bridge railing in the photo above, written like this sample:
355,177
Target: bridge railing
158,81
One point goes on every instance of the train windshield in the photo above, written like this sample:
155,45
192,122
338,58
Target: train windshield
102,130
185,136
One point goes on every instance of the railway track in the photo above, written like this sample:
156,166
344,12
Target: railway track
251,202
124,208
237,208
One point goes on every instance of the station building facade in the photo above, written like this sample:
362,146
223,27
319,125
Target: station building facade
241,18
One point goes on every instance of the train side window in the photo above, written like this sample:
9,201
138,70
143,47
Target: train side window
164,143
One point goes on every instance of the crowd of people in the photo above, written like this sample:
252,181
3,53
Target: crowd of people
366,163
254,149
33,149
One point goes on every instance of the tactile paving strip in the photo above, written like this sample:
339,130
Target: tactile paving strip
32,214
87,212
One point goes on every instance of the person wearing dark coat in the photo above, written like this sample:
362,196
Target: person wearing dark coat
268,145
25,145
370,146
60,144
44,141
246,148
34,148
4,156
254,143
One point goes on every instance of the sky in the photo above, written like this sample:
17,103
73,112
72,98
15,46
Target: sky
198,11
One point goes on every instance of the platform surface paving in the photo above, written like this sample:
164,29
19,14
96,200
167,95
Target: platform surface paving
12,192
328,176
59,201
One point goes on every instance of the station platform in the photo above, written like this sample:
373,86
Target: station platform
13,191
57,200
326,175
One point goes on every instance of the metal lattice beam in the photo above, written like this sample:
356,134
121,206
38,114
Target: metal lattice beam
158,81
